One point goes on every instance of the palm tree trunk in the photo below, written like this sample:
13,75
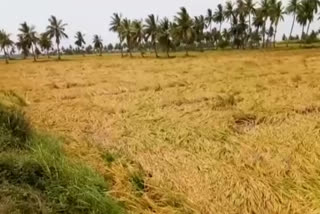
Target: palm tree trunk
301,38
129,47
274,36
48,54
269,35
121,49
257,32
168,48
211,36
100,51
308,30
58,49
6,55
249,33
232,36
155,49
34,54
294,19
187,51
264,33
249,24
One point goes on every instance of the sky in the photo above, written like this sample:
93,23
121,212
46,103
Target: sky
93,17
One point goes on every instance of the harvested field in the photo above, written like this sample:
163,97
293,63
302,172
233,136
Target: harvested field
219,132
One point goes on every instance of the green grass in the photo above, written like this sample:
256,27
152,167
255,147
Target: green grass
36,176
13,125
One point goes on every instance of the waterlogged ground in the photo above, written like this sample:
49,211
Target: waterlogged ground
224,132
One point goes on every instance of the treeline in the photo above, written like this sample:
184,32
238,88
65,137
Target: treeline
32,43
252,25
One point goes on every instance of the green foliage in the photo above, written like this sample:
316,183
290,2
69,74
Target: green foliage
13,125
5,44
108,157
44,173
8,142
137,182
223,44
312,38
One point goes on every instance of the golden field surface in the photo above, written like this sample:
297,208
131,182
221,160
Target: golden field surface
230,132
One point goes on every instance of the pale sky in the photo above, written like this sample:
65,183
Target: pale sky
93,17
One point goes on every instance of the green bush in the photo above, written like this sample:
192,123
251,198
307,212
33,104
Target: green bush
13,123
7,141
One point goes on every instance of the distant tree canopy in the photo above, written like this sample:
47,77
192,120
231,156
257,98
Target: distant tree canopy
252,25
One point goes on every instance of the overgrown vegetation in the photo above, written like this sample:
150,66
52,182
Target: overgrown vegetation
36,176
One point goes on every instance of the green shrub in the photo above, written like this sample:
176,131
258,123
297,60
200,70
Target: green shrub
72,187
14,123
63,186
7,141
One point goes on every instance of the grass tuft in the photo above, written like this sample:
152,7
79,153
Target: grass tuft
137,182
109,157
14,128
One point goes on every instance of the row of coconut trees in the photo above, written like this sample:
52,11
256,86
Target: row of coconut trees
252,24
29,41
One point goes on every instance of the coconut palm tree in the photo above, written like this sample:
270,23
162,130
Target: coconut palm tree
209,19
310,7
258,22
22,46
230,15
292,9
302,16
264,12
229,11
164,35
151,30
45,43
218,16
240,26
272,16
198,27
97,44
249,9
184,28
80,41
5,44
126,33
56,30
315,5
28,35
240,8
278,16
138,35
115,26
